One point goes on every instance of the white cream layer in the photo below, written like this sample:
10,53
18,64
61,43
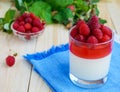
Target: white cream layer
89,69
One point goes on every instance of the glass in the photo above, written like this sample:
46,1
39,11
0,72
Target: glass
89,63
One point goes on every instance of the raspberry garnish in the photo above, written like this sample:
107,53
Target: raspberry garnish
93,23
105,38
92,39
84,29
74,32
97,33
10,60
80,38
106,30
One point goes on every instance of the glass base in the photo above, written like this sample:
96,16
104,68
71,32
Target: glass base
86,83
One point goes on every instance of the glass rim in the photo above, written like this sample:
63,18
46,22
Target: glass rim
85,43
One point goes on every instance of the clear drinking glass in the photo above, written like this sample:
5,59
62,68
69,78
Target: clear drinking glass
89,63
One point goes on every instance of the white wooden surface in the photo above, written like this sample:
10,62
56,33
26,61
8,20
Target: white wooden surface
21,77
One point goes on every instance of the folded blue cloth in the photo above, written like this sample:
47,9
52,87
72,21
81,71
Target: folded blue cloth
53,67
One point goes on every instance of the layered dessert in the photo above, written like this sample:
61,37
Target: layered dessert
90,50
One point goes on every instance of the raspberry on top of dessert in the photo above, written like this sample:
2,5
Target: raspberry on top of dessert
90,39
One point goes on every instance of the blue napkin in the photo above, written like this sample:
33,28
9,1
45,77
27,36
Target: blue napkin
53,67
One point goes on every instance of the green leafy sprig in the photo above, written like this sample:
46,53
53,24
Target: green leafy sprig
57,12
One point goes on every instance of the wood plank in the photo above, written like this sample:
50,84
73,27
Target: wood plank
53,35
4,6
114,10
16,78
104,13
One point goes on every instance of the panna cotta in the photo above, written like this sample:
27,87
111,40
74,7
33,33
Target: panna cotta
90,49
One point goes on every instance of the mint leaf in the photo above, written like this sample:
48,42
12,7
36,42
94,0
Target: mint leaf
19,4
43,10
59,4
63,16
102,21
10,14
94,1
1,23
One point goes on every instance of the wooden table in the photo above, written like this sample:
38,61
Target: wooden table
21,77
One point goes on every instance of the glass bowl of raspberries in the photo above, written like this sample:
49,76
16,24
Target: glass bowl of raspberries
27,26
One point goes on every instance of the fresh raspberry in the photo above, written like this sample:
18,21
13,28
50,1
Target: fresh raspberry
105,38
80,38
106,30
35,29
21,29
79,23
28,37
71,7
10,60
27,26
21,23
32,16
15,25
74,32
93,23
36,23
97,33
25,15
28,20
84,29
20,18
92,39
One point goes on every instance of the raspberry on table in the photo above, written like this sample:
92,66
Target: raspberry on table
10,60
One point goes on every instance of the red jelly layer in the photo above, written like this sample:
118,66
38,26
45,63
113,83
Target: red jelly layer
91,51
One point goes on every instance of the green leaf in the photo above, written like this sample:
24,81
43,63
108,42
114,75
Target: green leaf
1,23
97,11
63,16
7,28
42,10
94,1
18,4
9,15
102,21
59,4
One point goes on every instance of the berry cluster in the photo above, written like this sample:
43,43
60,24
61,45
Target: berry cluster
28,23
92,31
